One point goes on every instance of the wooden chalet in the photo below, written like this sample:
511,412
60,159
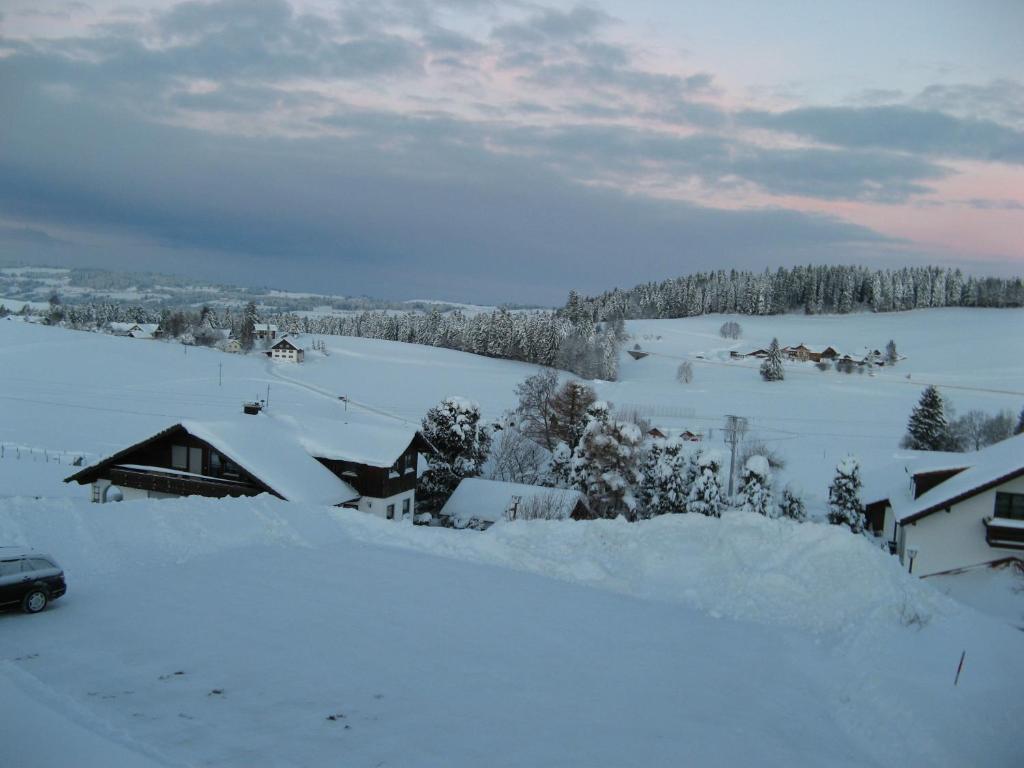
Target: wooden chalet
287,350
368,466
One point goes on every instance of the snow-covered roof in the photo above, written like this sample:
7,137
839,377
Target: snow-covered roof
264,327
487,500
890,480
985,468
360,438
287,341
271,451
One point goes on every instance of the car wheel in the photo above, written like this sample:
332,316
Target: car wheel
34,601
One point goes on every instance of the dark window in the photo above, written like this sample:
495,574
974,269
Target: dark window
391,511
215,464
405,506
195,461
1010,505
179,457
9,567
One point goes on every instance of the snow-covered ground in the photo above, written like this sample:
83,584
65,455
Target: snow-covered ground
680,639
197,632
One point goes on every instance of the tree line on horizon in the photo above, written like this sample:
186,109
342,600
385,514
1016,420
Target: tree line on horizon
811,289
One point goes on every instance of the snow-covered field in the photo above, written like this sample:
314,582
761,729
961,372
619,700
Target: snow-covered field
206,633
678,640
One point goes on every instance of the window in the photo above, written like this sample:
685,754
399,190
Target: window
195,460
215,463
391,511
40,564
1010,505
405,507
179,457
9,567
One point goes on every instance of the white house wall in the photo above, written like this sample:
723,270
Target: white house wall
379,507
956,539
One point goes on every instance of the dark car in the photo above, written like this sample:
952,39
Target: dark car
29,579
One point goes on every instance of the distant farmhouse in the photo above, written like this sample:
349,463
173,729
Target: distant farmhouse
287,350
685,435
264,331
479,503
135,330
803,353
962,510
371,466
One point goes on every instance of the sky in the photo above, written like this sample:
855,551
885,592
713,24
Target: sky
492,151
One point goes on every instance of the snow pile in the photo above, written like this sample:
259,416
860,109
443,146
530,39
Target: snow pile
741,566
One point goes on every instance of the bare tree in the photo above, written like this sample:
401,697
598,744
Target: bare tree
730,330
534,411
544,506
684,373
515,458
755,447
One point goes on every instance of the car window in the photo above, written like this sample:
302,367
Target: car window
9,567
40,564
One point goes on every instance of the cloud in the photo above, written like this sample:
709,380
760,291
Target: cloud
551,25
896,127
397,206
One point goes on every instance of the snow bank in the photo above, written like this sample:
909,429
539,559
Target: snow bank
742,566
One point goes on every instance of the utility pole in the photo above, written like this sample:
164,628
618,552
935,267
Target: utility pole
735,428
268,397
220,374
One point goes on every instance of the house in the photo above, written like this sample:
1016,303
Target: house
479,503
961,511
366,465
685,435
134,330
232,346
286,350
264,331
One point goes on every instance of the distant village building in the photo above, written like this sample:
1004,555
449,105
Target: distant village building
135,330
264,331
371,466
232,346
287,351
965,510
479,503
685,435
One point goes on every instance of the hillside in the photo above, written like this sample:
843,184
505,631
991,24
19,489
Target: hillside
105,391
732,641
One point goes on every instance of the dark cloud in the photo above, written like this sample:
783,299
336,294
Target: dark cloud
901,128
986,204
397,207
550,25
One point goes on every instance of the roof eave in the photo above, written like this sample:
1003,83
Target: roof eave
944,504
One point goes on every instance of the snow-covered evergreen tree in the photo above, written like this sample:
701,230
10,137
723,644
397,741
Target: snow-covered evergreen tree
664,484
605,463
844,504
755,493
791,505
771,368
891,355
1019,429
705,495
557,471
927,429
461,443
249,319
